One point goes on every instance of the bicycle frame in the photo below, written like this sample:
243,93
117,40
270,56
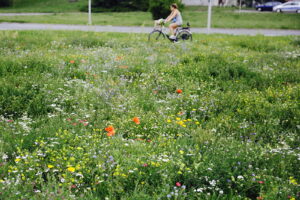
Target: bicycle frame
161,30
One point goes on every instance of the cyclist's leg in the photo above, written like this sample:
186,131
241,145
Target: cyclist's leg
172,28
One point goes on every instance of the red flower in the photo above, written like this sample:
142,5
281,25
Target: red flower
145,165
260,182
72,61
178,91
110,131
73,186
178,184
136,120
259,198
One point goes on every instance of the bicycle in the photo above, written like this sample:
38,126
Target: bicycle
181,33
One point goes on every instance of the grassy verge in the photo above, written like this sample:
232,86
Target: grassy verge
106,115
48,6
197,16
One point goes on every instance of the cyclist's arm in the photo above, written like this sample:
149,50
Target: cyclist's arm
171,16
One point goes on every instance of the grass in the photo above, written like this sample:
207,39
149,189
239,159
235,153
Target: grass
197,16
47,6
111,116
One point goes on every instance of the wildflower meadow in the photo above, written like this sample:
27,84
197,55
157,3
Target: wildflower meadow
112,116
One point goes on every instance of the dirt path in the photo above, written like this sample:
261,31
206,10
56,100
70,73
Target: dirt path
125,29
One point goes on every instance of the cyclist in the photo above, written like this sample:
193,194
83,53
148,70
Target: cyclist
176,19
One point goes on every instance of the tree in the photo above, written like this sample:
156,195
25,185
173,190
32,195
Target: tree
161,8
5,3
121,5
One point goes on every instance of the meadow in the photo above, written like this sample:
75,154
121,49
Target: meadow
88,115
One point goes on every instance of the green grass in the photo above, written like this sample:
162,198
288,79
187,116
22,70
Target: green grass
48,6
233,132
197,16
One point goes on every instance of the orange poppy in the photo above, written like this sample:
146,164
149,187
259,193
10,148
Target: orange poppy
119,58
136,120
110,131
178,91
123,67
72,61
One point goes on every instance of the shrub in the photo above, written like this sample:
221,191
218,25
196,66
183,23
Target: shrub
161,8
120,5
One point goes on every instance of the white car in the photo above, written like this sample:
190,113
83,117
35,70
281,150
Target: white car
291,6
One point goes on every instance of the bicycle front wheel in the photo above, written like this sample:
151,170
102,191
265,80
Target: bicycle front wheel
185,35
156,35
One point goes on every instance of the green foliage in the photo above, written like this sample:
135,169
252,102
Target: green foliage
120,5
232,132
5,3
161,8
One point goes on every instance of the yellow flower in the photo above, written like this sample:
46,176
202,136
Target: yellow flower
50,166
17,159
169,121
71,169
181,152
177,118
197,123
181,123
292,198
293,181
116,173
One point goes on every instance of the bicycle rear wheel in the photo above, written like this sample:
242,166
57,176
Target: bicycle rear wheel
156,35
184,35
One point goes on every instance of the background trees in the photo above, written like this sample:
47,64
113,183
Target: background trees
5,3
158,8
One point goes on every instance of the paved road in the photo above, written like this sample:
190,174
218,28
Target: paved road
124,29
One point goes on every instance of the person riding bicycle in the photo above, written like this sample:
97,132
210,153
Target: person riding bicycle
176,19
